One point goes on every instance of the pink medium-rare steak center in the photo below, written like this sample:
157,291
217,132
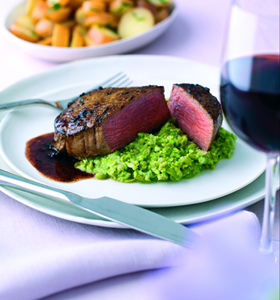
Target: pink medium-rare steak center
198,113
105,120
142,115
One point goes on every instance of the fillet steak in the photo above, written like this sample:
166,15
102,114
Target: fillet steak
105,120
198,113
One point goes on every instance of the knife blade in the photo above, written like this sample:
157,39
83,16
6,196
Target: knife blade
130,215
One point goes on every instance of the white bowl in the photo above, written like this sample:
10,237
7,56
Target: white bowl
60,54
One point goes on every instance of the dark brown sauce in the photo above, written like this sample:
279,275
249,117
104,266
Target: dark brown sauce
56,166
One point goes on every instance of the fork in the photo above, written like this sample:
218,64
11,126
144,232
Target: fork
120,79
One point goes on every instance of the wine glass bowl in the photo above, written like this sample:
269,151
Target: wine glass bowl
250,96
250,88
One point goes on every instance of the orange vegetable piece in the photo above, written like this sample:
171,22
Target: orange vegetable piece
51,3
30,4
100,35
69,23
102,18
44,28
119,7
93,7
75,4
77,40
24,33
61,36
59,15
39,11
25,21
47,41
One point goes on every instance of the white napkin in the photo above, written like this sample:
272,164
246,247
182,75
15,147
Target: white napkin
41,255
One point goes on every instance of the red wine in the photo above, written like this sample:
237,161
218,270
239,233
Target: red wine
250,96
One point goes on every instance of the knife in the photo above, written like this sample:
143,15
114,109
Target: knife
127,214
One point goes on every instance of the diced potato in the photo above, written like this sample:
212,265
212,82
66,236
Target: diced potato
135,21
30,4
80,16
161,14
25,21
81,29
44,28
69,23
24,33
119,7
61,36
77,40
58,15
101,35
93,7
102,18
47,41
39,11
88,41
52,3
161,3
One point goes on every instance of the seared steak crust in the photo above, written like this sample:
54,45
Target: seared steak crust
198,113
207,101
105,120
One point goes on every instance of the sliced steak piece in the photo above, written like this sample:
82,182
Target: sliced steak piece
105,120
198,113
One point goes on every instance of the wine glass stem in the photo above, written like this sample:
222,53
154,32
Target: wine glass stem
269,204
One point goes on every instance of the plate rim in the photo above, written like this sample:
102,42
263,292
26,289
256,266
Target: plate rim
89,59
234,206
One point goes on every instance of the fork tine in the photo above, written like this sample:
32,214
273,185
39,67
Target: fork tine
115,82
107,82
126,82
119,78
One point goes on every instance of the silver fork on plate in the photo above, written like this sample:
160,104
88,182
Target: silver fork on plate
117,80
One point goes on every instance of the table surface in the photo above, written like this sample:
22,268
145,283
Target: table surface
196,34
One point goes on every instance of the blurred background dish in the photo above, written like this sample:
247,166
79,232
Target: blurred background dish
62,54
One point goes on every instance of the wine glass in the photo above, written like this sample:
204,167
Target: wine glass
249,88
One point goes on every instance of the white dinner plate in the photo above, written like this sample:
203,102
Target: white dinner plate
62,54
73,78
